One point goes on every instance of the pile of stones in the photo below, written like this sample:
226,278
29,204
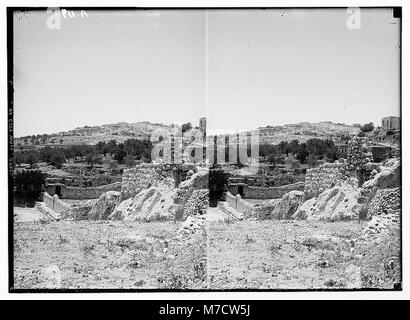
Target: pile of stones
385,201
197,203
380,224
191,225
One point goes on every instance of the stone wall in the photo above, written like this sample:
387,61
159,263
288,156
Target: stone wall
54,203
146,175
81,193
249,192
324,177
197,202
141,177
239,204
359,153
385,201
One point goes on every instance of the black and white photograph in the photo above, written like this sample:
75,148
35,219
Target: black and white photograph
205,149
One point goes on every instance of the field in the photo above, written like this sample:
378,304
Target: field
102,254
241,255
301,255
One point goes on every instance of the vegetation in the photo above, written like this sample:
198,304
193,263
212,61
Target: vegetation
218,180
304,152
28,186
186,127
56,156
367,127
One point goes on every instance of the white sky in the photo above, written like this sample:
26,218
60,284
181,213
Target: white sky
264,67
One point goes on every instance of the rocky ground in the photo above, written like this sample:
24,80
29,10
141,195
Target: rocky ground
282,254
107,254
303,255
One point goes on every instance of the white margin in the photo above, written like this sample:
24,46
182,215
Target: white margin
405,294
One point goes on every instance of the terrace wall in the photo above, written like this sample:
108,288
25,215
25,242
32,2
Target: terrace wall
250,192
54,203
324,177
237,203
81,193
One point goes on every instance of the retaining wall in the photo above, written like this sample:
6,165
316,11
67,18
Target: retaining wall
324,177
237,203
250,192
54,203
81,193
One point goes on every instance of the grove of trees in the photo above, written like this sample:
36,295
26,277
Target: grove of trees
131,149
309,151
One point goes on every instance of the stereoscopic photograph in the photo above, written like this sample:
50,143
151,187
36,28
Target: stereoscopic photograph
204,149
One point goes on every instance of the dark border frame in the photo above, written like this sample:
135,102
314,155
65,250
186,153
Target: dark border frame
397,12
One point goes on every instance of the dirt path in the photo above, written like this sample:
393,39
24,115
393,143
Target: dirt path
215,214
26,214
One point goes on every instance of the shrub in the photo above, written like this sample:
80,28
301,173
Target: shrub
218,180
367,127
28,186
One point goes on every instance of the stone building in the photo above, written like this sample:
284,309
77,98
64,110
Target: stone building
391,123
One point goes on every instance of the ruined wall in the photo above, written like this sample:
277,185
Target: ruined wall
81,193
324,177
54,203
359,153
197,202
146,175
385,201
250,192
239,204
141,177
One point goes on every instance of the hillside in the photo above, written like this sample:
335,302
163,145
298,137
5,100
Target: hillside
91,135
142,130
304,131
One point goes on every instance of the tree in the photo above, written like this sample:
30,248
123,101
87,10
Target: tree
57,158
367,127
28,186
312,161
32,158
302,153
92,159
294,164
186,127
120,155
129,161
272,159
218,179
112,165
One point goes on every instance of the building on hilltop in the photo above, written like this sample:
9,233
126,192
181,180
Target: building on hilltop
391,123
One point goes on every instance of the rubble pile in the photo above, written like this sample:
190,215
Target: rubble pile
359,153
197,203
191,225
385,201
